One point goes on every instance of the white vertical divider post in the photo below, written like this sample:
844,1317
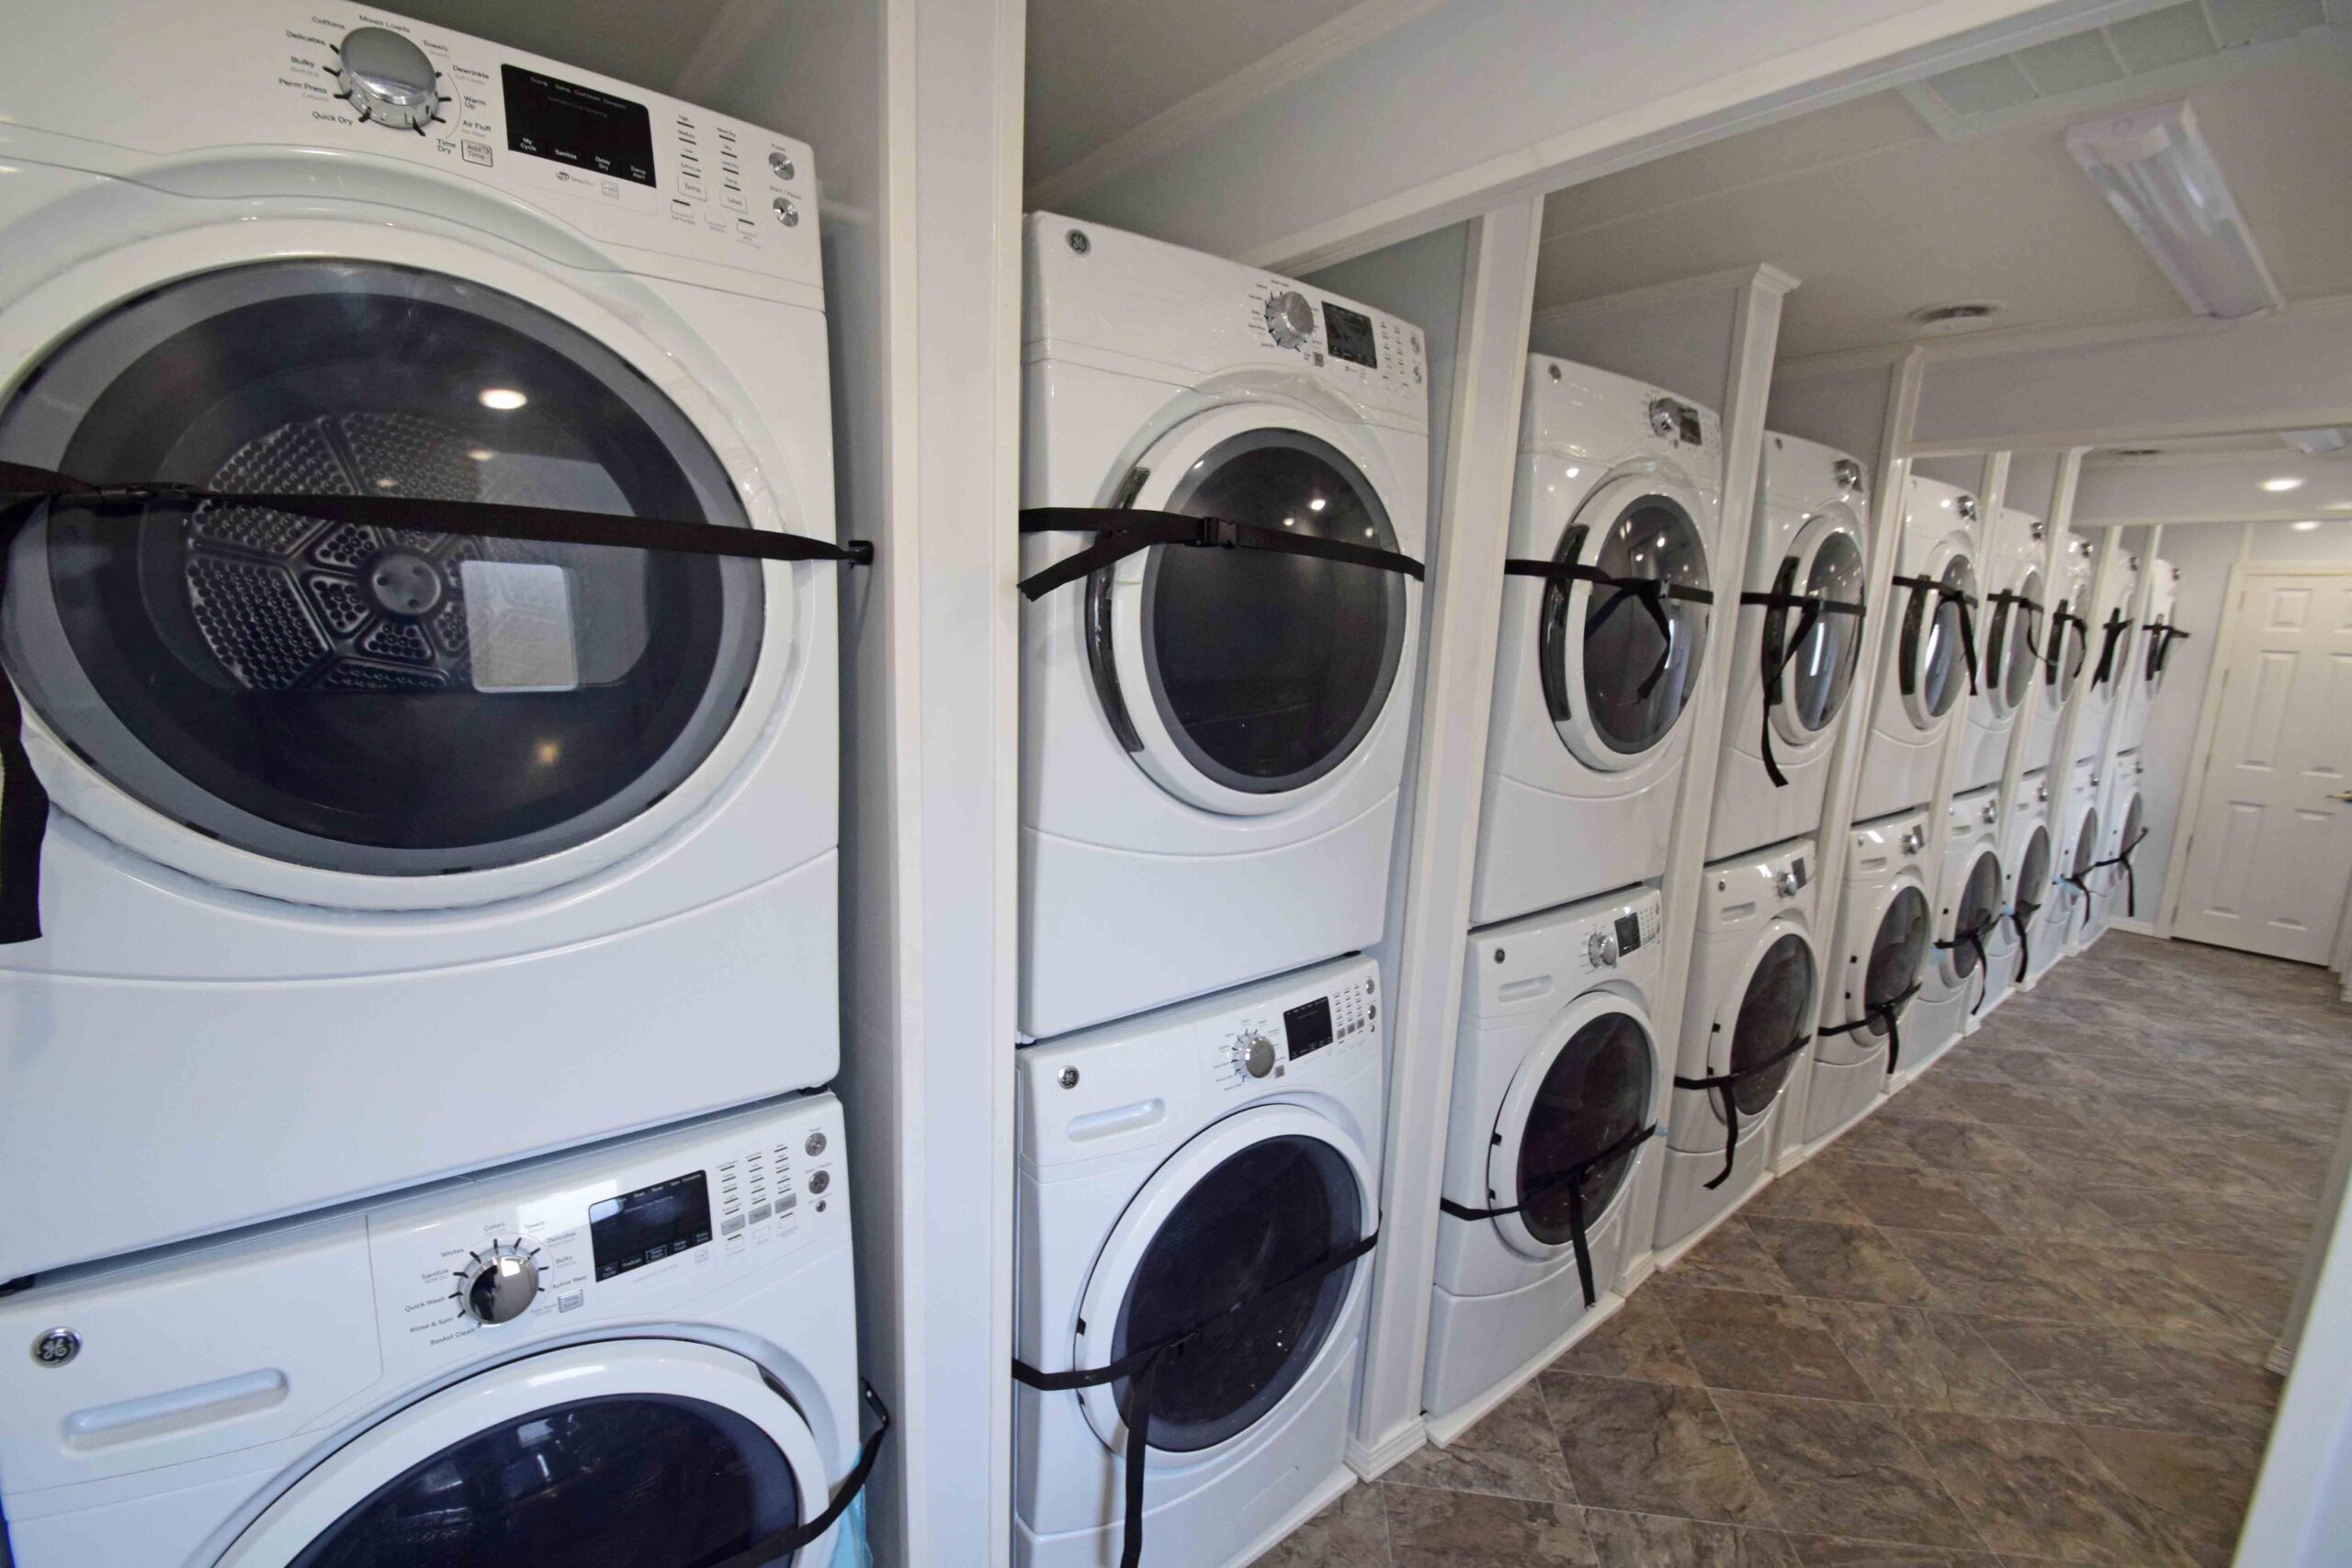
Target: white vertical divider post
2127,664
1461,618
2060,775
1890,478
2108,564
2020,722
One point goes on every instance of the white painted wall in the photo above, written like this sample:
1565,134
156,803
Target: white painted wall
2216,488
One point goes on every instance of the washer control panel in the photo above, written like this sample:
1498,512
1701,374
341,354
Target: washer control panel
1610,938
1271,1042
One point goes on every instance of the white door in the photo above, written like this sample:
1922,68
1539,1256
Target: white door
2271,846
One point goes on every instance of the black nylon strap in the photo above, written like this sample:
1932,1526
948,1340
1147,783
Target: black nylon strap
1810,608
2082,885
2115,628
2165,636
2021,919
1142,1368
2058,624
1651,591
1890,1011
1972,937
772,1549
1967,616
24,804
2123,857
1726,1082
2031,617
1572,1179
1126,532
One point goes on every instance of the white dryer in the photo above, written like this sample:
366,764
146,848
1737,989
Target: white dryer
1550,1187
1885,931
1203,1183
2064,647
1607,604
2008,649
384,852
2109,653
2074,890
2148,661
2027,854
1969,901
1755,975
1928,665
1212,738
1798,640
642,1353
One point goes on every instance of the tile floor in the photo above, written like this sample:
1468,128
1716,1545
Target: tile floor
2019,1316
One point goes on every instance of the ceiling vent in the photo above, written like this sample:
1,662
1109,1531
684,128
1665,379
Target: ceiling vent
2162,49
1959,317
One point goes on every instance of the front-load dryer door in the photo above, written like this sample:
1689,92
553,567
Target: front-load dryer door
1617,678
1931,665
656,1453
1589,1084
1209,1249
1243,681
1889,966
1826,562
365,716
2012,645
1761,1019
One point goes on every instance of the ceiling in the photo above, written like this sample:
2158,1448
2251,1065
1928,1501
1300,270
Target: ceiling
1879,215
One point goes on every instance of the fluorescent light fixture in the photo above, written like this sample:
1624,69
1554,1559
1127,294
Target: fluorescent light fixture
503,399
2305,527
2282,484
2160,177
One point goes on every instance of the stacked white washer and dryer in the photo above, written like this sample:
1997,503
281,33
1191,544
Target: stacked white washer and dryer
1224,485
1560,1070
388,860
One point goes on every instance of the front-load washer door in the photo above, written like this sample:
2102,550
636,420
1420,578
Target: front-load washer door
1242,680
1215,1248
1589,1084
1826,563
2033,870
638,1454
1978,907
1931,666
394,705
2011,647
1899,945
1761,1020
1615,679
2086,853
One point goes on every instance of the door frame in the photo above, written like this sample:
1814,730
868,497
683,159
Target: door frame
2200,755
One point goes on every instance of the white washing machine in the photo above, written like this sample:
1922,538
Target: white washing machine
1551,1185
2110,652
1755,972
2009,649
1930,646
642,1353
1798,641
2117,891
1607,605
513,845
1885,931
2065,649
2074,887
1212,738
1971,899
1202,1182
2148,661
2027,856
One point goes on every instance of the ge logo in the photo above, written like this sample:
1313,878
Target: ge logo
57,1347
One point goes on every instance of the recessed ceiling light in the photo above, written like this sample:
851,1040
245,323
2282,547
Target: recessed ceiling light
1956,317
2306,527
2282,484
480,454
505,399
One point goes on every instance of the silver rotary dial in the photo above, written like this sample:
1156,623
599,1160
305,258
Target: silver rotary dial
1602,949
1256,1055
1289,318
388,80
501,1284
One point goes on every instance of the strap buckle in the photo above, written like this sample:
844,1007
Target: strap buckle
1216,534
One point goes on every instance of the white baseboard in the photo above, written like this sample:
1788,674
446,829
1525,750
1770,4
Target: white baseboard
2137,928
1373,1462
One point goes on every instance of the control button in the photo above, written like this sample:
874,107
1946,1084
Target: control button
815,1145
820,1180
694,188
786,1204
388,80
780,165
733,198
611,189
477,153
569,1300
731,1225
681,210
786,211
760,1212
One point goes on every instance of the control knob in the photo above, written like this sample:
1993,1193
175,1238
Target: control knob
1990,811
1256,1054
388,79
1290,319
1914,841
502,1283
1786,883
1602,949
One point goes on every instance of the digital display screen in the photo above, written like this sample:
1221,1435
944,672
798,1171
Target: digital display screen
1308,1028
650,1225
1350,335
566,123
1629,934
1796,867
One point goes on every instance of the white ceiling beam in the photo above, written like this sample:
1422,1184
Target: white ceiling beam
1472,104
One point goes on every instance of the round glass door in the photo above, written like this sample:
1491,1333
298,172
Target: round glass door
2033,870
1772,1010
2086,847
2009,647
1934,668
2071,652
398,702
1264,671
2131,833
1260,1217
1980,905
1815,681
1898,949
1616,677
1596,1090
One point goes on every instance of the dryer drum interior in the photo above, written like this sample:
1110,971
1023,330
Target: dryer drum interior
1267,670
1896,950
1262,1216
1821,672
1595,1093
1772,1011
372,700
1638,669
